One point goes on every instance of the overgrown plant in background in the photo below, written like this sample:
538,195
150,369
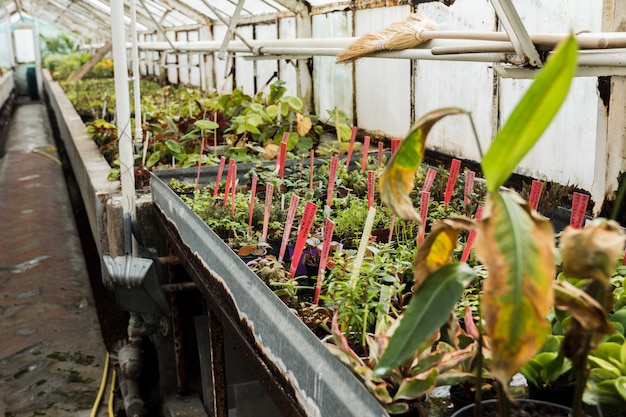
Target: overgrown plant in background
515,243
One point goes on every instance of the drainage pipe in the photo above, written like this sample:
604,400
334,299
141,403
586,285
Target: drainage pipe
122,106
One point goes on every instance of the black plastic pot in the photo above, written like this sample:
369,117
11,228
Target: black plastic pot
559,395
461,397
538,408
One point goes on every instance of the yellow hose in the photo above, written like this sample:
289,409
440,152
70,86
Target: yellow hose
43,150
105,373
112,394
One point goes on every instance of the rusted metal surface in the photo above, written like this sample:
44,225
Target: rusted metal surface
181,372
375,4
218,365
210,338
300,374
221,303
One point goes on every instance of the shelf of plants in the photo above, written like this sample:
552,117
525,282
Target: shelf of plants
291,352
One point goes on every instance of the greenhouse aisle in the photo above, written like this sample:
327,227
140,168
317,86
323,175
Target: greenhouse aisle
52,354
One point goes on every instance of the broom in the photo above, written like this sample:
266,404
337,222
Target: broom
417,29
397,36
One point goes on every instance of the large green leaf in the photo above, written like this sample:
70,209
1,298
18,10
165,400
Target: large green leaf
397,180
206,124
516,245
531,116
417,386
428,309
174,147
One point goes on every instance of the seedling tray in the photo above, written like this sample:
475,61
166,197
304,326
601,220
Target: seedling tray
299,372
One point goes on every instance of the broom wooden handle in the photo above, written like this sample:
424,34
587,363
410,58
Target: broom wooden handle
549,40
486,47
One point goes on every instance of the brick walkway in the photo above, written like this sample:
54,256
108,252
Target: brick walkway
51,349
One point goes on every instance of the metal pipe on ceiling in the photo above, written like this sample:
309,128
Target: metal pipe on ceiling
224,20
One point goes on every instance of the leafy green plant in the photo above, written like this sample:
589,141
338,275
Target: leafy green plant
607,374
516,245
405,386
549,367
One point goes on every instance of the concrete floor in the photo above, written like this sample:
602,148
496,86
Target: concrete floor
52,354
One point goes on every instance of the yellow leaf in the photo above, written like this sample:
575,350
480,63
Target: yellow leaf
592,252
517,246
271,151
436,249
303,125
592,316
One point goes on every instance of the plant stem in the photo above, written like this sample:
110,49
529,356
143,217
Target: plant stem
478,395
337,124
480,150
478,408
581,381
504,404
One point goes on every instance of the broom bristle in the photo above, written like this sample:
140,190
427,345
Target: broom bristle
397,36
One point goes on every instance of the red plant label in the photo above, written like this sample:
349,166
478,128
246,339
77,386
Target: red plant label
423,214
469,186
455,166
429,180
291,214
395,143
305,228
218,179
472,236
269,191
366,147
329,228
380,154
282,154
579,207
255,179
234,190
371,186
332,176
351,145
229,180
535,194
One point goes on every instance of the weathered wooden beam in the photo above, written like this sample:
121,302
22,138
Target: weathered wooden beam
78,75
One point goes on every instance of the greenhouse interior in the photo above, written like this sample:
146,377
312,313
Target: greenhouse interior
238,208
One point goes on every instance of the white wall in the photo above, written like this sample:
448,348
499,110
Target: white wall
468,85
383,86
574,146
385,96
332,83
287,70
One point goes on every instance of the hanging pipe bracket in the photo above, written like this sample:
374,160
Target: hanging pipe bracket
231,28
524,46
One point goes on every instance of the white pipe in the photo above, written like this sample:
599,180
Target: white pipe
136,75
37,46
332,46
122,105
9,37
